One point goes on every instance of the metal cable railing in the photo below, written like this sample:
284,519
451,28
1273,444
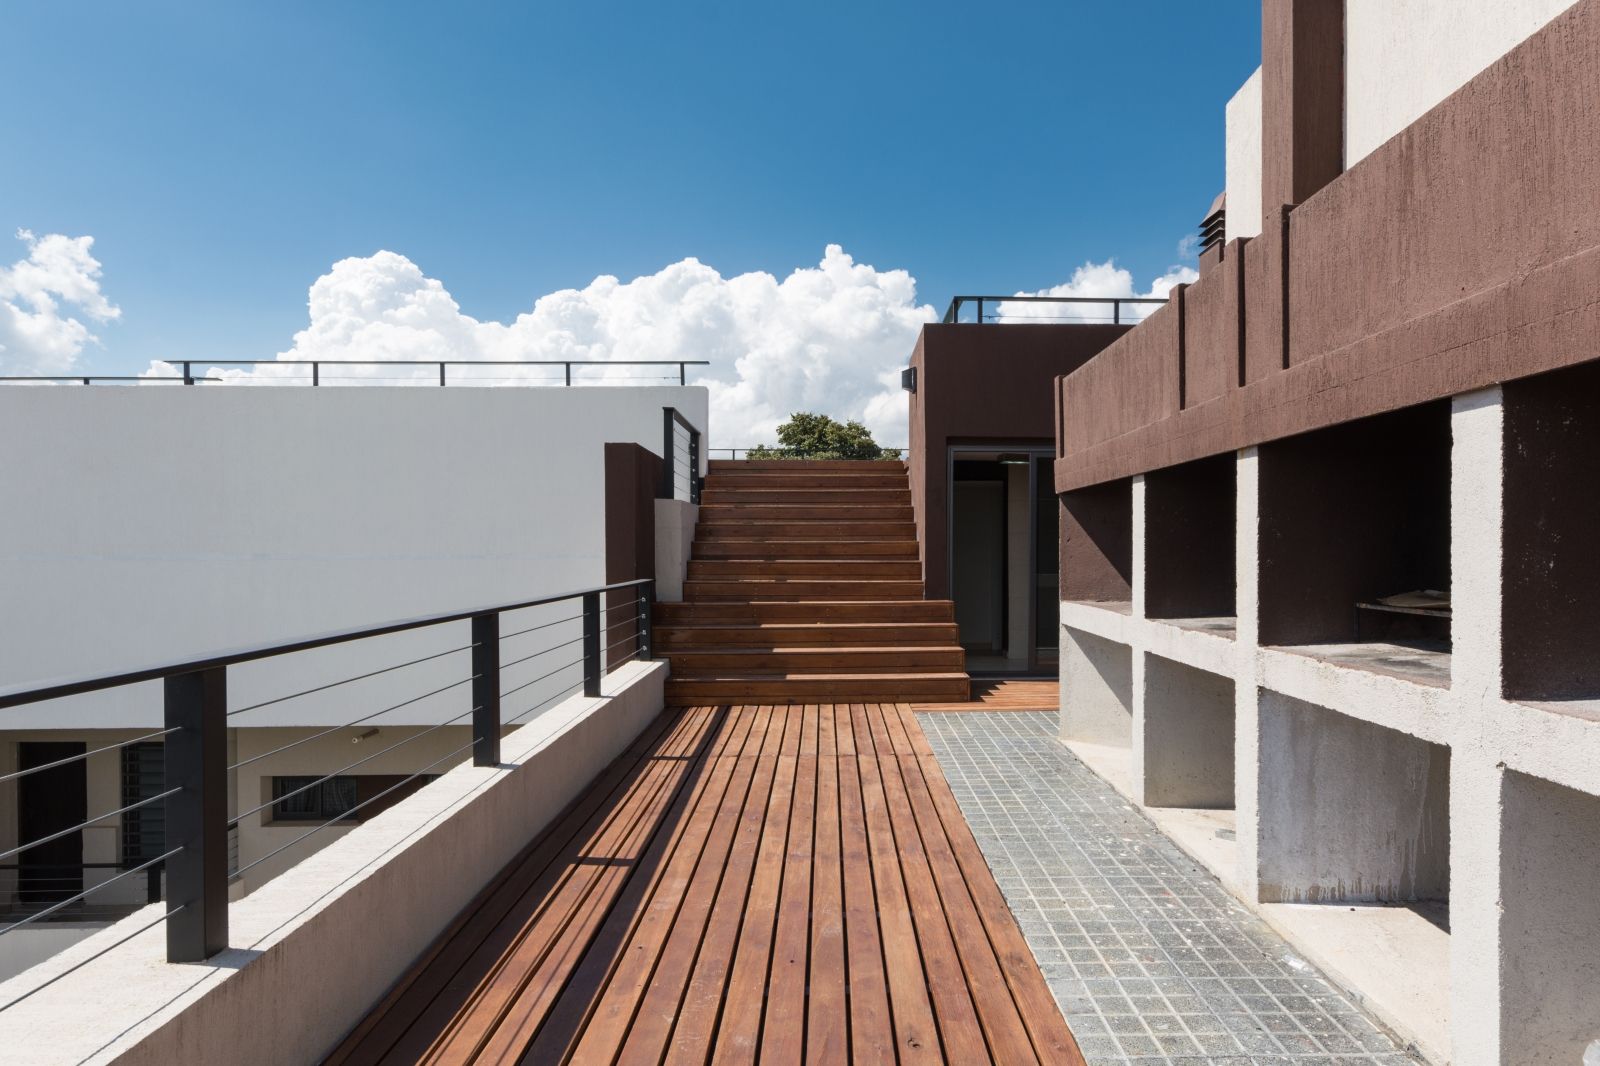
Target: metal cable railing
309,372
680,471
1068,310
192,795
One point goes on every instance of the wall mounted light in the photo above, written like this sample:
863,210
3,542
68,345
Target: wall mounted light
908,379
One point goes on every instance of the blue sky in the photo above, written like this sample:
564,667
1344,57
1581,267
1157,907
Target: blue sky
224,156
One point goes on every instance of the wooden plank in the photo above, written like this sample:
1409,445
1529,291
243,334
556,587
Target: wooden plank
916,1032
871,1025
549,1020
661,949
738,1038
1003,1028
696,1020
531,974
427,978
784,1024
1038,1007
959,1027
827,1027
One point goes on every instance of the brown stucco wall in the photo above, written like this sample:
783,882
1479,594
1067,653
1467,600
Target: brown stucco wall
1097,543
1189,525
983,383
632,476
1462,253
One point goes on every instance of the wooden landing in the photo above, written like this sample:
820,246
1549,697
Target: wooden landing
1005,695
733,861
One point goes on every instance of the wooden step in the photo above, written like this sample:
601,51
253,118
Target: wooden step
776,548
670,638
764,612
838,569
727,513
943,687
809,466
853,497
778,588
803,529
758,479
812,659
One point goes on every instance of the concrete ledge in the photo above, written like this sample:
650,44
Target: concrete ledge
1419,710
318,946
1212,652
1113,621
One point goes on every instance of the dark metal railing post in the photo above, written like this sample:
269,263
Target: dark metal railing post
647,633
441,375
196,707
315,374
486,689
591,644
980,311
683,374
188,377
669,455
1116,312
569,375
694,466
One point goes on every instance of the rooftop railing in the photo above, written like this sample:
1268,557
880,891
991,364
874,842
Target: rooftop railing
1118,310
311,372
781,452
602,629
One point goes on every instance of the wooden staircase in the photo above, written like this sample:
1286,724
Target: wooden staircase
804,586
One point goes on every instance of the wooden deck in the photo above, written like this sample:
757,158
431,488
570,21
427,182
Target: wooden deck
773,884
1004,695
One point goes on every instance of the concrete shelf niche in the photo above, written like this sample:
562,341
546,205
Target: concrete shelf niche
1097,703
1349,515
1550,939
1189,532
1551,577
1097,545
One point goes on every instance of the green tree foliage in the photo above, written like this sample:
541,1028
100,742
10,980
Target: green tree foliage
812,436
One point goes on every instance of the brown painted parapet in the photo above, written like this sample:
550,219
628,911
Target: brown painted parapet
1462,253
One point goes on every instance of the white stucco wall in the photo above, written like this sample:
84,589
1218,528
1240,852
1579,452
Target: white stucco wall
146,525
1404,56
1243,160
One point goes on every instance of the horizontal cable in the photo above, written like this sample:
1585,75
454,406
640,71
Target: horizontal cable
347,725
535,655
541,677
623,661
84,825
545,703
85,755
241,871
274,801
80,965
86,893
348,680
547,625
629,639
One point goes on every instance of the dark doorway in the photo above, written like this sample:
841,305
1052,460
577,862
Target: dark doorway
48,802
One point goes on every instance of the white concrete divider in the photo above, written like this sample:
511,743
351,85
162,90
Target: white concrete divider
314,949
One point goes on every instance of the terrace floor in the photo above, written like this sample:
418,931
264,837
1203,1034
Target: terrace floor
746,883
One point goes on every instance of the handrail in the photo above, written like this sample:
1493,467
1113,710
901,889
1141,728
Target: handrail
733,453
19,696
316,365
671,418
194,790
953,315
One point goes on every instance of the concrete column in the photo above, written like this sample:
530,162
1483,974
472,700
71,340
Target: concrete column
1477,795
1019,576
1140,527
1246,702
1477,490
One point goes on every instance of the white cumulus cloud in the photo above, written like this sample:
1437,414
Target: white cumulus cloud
830,338
40,295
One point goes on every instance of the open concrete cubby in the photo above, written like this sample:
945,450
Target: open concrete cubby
1188,726
1351,515
1189,529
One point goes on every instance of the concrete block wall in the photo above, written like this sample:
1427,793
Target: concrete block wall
1356,782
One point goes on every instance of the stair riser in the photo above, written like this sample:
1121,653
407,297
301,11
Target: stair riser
687,638
742,591
715,664
779,480
846,516
899,690
771,611
826,531
808,466
803,549
852,497
838,569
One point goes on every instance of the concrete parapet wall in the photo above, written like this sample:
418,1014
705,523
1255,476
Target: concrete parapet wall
316,948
